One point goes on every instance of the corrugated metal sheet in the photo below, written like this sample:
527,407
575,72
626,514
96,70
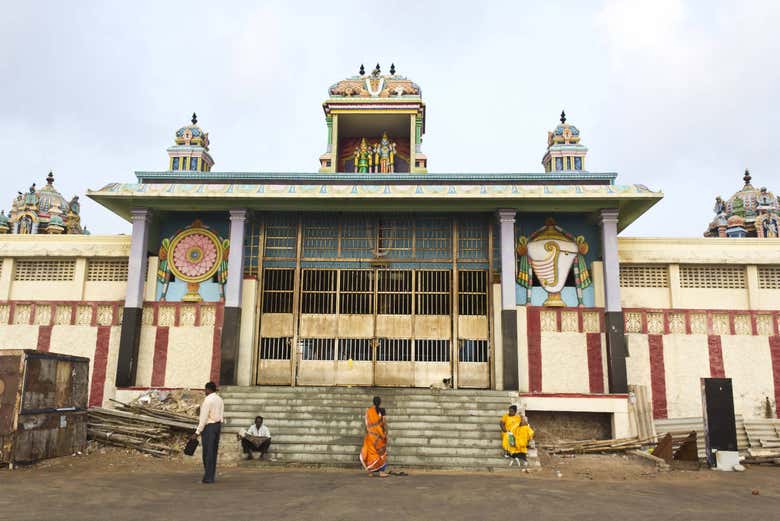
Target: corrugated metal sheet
43,398
680,427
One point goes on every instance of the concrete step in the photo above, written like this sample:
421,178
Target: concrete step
365,400
370,391
338,425
392,416
356,439
394,461
364,404
359,432
416,407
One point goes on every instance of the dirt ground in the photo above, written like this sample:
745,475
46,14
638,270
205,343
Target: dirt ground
119,486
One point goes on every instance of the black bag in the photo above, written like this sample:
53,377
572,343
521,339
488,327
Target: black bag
189,448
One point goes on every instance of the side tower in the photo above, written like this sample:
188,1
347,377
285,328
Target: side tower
191,151
564,150
375,124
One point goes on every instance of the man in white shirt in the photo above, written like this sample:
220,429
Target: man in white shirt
257,438
209,427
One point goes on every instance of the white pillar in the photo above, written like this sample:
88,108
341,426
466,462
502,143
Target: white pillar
235,259
136,266
506,219
609,247
509,355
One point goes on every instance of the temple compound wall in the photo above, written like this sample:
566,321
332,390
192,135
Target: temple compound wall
692,308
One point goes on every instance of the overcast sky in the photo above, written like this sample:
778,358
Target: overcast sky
679,96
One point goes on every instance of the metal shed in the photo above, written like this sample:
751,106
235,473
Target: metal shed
43,405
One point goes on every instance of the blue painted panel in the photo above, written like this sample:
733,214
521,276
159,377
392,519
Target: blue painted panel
575,224
170,224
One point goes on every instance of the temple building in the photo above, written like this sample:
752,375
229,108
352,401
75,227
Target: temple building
376,271
750,212
42,210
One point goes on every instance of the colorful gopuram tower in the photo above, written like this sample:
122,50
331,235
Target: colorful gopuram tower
375,124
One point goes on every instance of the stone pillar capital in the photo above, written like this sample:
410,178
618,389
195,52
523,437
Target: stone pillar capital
140,215
506,215
609,215
238,214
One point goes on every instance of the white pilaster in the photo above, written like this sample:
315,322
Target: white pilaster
609,249
235,259
506,220
136,267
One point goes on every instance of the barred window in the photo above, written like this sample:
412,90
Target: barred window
394,292
281,235
252,245
358,349
644,276
318,291
45,270
278,290
431,350
394,350
275,348
107,270
357,237
473,350
320,237
717,276
473,238
433,238
356,292
769,277
317,348
433,292
472,292
395,237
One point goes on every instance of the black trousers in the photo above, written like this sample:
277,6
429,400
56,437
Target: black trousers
210,445
249,447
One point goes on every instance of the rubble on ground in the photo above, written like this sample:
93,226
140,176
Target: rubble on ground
156,423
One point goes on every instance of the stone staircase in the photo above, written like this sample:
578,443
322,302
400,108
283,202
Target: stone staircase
437,429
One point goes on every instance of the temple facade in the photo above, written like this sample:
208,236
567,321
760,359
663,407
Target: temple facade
374,271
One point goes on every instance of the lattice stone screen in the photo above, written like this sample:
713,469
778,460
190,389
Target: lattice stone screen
45,270
644,276
769,277
101,270
715,276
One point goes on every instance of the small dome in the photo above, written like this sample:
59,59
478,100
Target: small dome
56,220
564,133
48,196
192,134
3,218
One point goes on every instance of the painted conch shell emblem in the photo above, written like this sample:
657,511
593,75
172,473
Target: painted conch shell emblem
551,253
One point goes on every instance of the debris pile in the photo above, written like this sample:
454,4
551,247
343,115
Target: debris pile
157,423
598,446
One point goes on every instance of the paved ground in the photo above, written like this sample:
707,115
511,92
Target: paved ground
146,489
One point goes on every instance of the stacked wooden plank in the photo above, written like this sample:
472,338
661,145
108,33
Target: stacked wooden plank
148,430
598,446
764,437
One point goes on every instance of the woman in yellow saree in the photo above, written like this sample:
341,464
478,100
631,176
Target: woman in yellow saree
373,455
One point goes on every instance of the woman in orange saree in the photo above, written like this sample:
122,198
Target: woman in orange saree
373,455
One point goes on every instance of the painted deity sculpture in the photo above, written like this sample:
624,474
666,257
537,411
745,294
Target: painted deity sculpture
193,255
550,252
363,157
384,155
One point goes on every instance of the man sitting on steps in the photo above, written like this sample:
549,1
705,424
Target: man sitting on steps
256,439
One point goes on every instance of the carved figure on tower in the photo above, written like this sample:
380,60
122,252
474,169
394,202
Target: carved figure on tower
363,157
384,155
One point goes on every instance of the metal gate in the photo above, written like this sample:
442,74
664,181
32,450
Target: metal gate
376,326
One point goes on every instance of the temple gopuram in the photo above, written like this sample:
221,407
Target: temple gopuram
373,270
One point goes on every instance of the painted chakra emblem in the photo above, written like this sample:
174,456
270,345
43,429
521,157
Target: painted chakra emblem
196,254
